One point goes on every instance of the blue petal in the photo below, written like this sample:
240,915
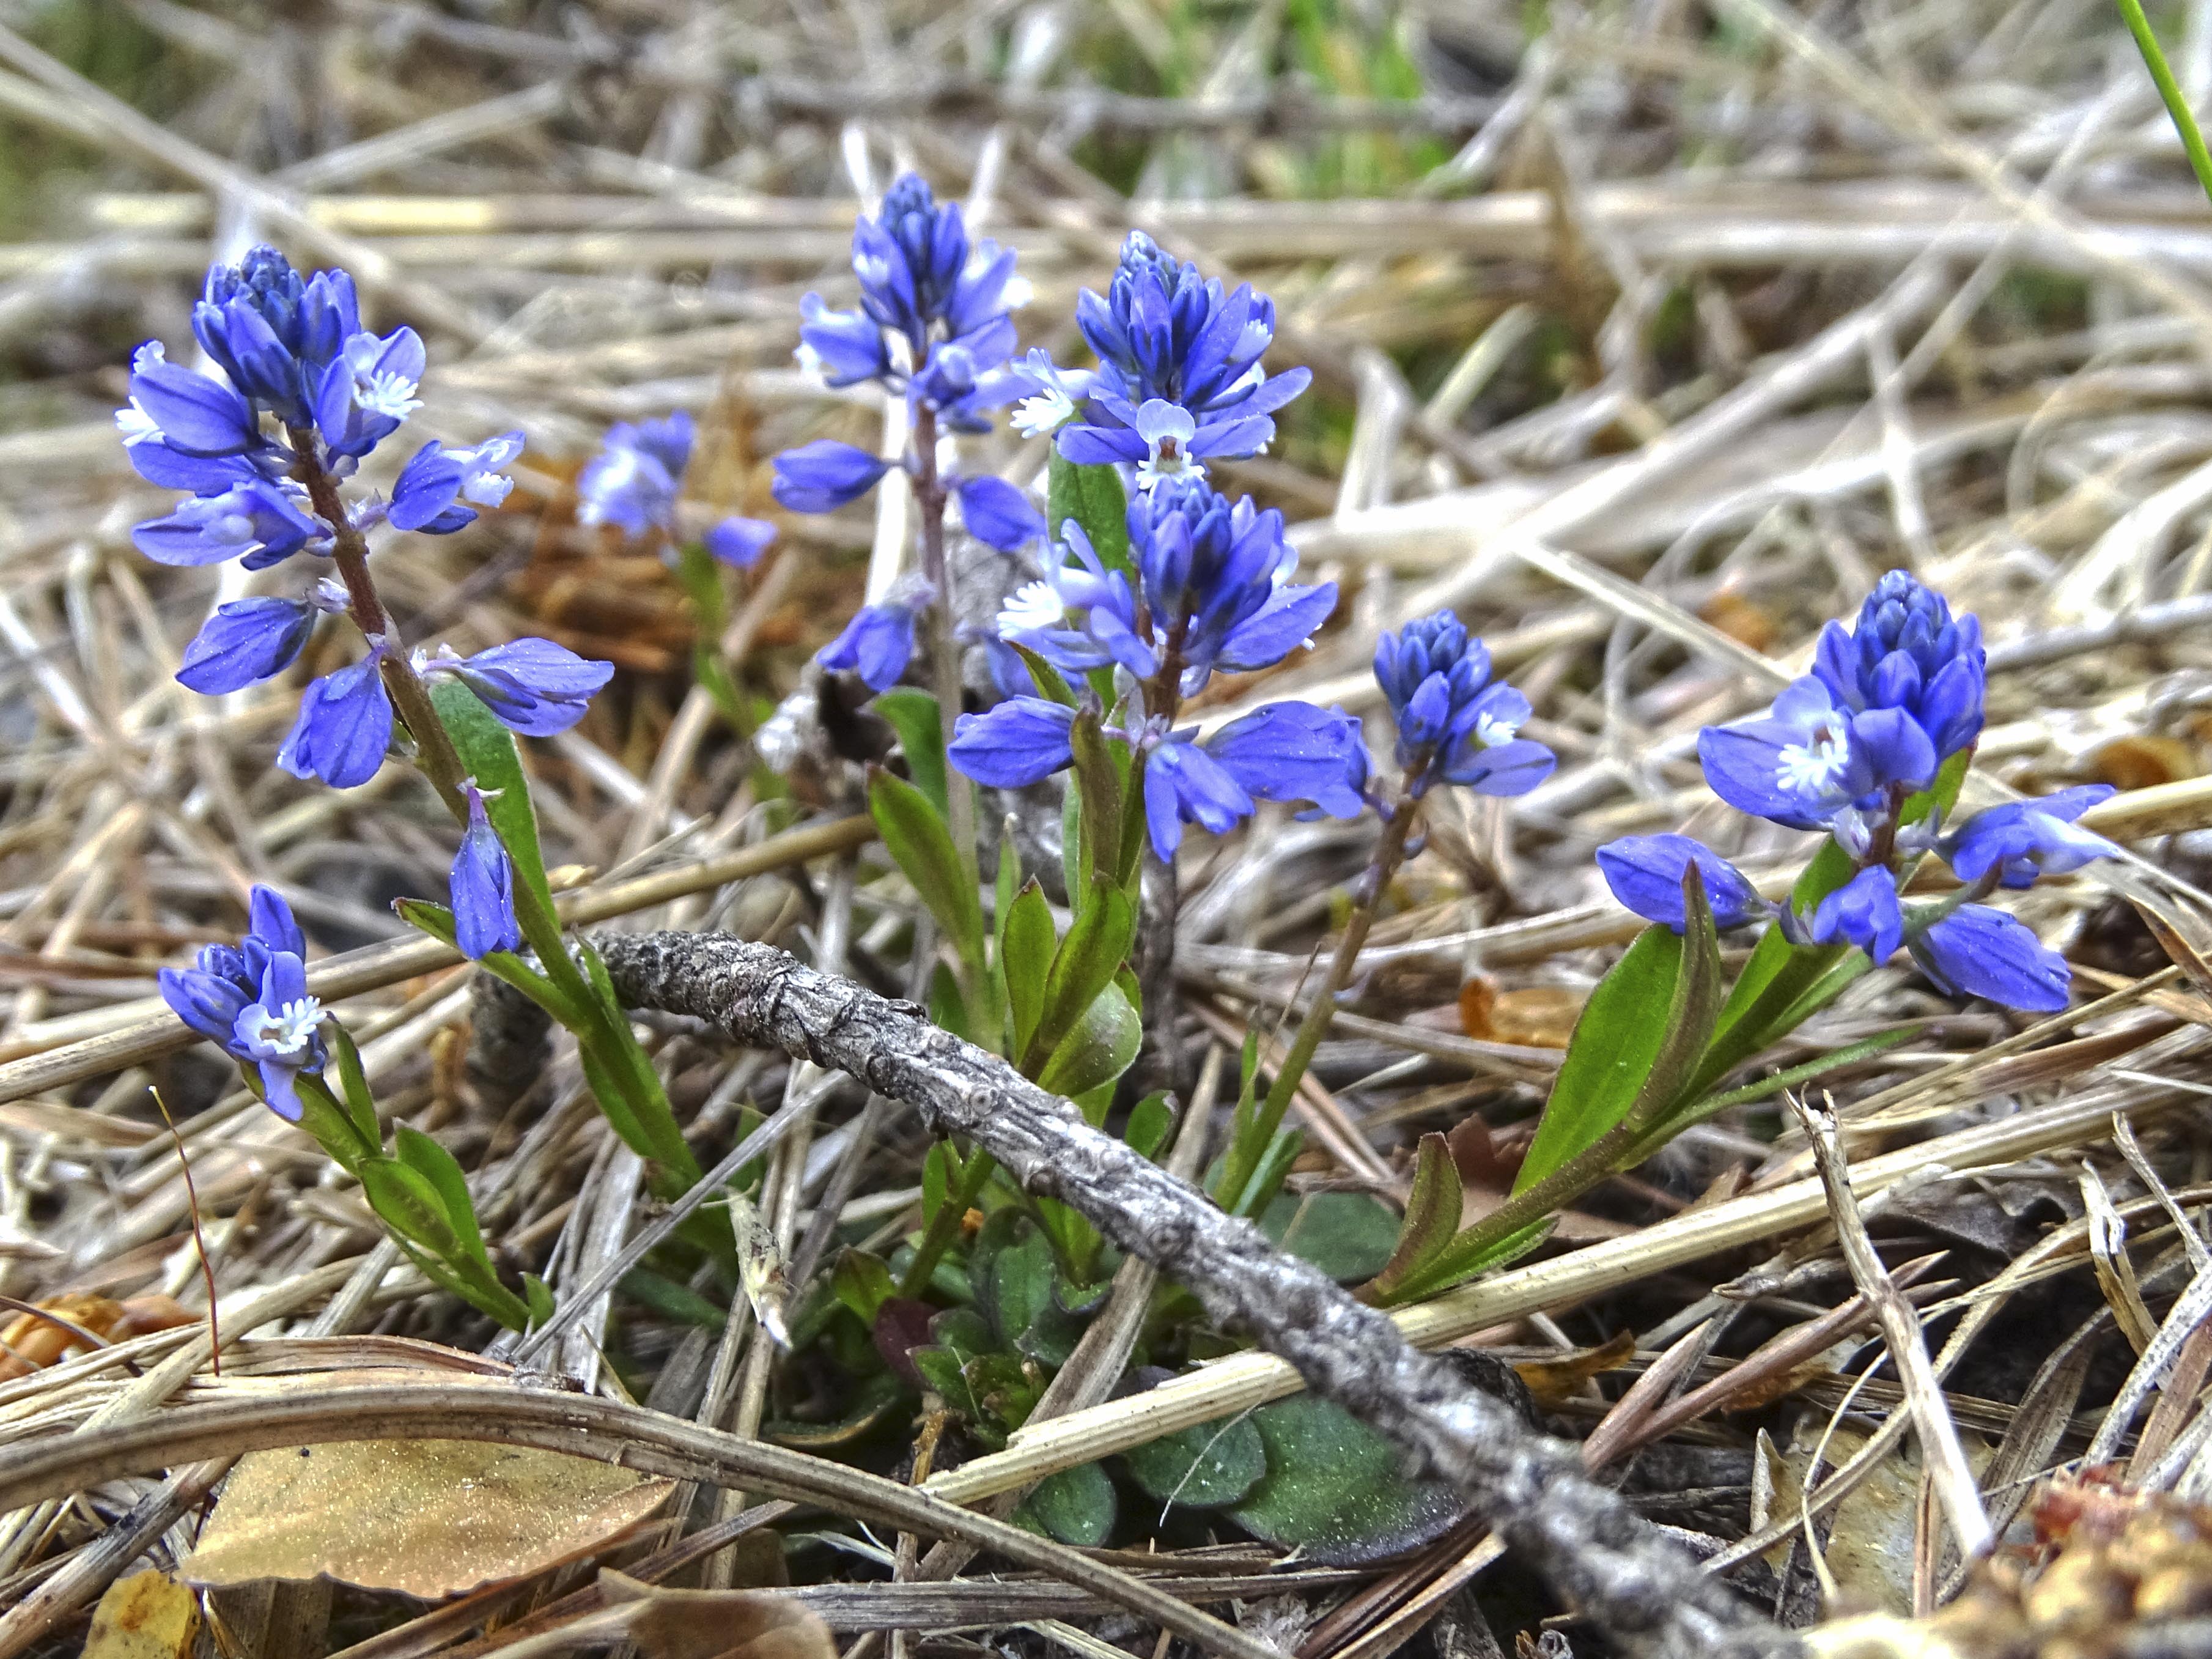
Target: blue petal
1285,622
1023,741
1645,874
1293,751
1513,767
1183,784
344,730
997,513
877,645
1979,952
740,542
245,641
1863,911
824,475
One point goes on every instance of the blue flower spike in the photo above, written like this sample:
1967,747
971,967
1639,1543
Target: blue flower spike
1456,724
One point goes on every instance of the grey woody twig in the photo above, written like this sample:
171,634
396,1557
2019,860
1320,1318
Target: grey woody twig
1595,1553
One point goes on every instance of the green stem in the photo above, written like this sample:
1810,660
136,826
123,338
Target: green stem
1243,1157
2169,90
945,1225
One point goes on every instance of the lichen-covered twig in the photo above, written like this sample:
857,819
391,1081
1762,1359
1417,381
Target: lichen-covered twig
1593,1549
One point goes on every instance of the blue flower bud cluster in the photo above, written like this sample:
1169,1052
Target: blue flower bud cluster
302,394
1844,749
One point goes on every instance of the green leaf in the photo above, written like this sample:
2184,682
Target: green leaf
1085,963
1094,498
1026,953
538,1298
353,1082
916,836
1075,1506
1151,1120
940,1176
913,714
1016,1272
1051,684
409,1204
487,749
1639,1036
1100,779
436,1165
327,1122
1462,1257
1102,1046
1268,1174
863,1284
1074,858
1433,1214
1348,1236
941,1374
1207,1467
1334,1490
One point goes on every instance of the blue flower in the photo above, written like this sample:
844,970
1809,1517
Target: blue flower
1863,911
159,462
844,348
1293,751
188,413
1048,394
636,478
1214,579
997,513
740,542
1456,724
921,276
430,489
274,334
1906,654
1978,951
823,476
1645,874
482,887
1163,332
245,641
251,998
530,685
1799,764
369,390
877,645
958,381
259,521
1024,740
1183,784
1080,615
2022,840
344,725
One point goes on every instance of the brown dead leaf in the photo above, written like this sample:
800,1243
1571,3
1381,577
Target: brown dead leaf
1535,1016
427,1517
2142,759
1554,1382
679,1624
29,1343
147,1615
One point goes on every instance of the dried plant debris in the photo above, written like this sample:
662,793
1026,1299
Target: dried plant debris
858,804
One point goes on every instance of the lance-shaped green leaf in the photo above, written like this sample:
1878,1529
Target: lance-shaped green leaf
410,1203
1086,963
1101,775
1026,953
912,829
420,1153
1637,1040
913,714
1075,1506
1094,498
1432,1212
352,1087
1101,1046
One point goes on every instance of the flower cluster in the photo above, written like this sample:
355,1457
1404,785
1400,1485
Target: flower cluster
1211,594
637,478
1456,724
1179,379
305,392
251,998
1848,749
932,326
